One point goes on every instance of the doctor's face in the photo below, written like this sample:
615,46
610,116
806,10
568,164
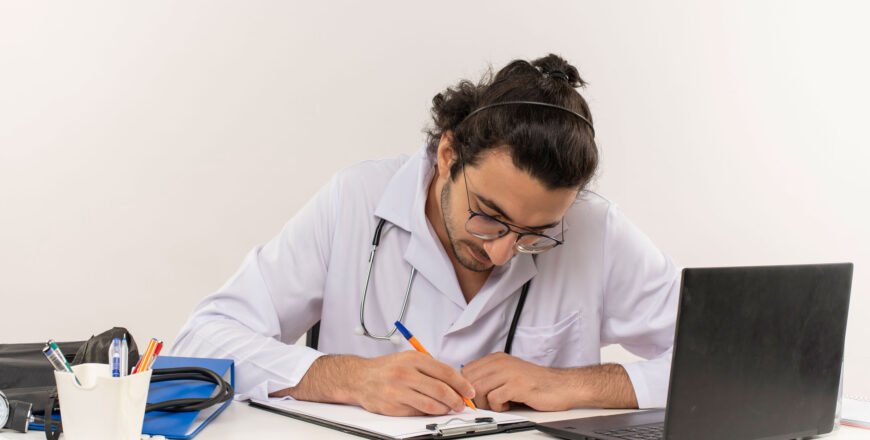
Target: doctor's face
499,190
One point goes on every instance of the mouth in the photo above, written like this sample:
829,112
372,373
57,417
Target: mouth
479,256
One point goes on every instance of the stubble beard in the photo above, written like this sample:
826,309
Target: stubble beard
464,259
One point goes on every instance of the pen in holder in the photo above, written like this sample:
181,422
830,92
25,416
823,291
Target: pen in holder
102,407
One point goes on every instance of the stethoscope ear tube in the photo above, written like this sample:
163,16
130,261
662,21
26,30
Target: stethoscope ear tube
376,240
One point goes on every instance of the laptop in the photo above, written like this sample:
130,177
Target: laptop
758,353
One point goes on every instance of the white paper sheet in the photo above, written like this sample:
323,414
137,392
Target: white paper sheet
397,427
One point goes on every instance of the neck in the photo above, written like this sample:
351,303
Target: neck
469,281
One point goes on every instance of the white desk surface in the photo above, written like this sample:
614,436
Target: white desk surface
241,421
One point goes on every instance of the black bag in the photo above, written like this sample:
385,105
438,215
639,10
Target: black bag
27,376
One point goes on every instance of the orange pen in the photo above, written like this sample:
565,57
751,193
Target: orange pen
419,347
140,366
154,356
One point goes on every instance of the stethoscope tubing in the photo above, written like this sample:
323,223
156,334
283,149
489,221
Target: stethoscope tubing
365,332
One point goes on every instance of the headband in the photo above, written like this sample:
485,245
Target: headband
558,74
541,104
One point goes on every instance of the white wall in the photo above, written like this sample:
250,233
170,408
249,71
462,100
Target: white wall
145,148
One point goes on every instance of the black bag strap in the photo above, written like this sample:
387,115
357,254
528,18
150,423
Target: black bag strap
53,428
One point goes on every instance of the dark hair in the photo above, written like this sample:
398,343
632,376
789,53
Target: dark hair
552,145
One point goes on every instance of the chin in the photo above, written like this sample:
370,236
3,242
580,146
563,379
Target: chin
472,263
477,266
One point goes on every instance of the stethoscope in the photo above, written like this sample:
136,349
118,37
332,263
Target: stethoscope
362,330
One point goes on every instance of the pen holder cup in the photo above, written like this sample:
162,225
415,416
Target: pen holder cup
102,407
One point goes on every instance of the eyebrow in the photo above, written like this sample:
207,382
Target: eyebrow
494,206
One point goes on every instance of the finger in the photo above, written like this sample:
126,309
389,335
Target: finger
444,373
409,411
499,399
439,391
425,404
486,384
486,372
481,367
481,402
473,365
394,409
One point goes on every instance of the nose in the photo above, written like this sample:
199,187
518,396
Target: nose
501,249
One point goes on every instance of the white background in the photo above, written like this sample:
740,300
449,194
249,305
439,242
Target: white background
146,147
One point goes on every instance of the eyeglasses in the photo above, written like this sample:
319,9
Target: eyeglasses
487,227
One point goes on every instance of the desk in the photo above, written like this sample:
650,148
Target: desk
240,421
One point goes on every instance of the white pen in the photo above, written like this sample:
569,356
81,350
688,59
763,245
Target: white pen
125,353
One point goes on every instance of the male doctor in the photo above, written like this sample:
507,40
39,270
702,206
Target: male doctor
490,250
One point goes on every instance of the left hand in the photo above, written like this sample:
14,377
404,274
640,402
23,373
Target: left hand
500,378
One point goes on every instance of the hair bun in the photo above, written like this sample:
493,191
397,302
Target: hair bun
555,67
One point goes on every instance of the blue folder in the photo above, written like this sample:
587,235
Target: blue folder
185,425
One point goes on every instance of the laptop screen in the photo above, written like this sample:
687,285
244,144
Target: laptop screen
758,352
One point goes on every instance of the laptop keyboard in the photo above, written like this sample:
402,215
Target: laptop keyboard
642,432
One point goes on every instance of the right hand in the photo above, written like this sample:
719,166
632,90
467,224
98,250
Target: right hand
409,383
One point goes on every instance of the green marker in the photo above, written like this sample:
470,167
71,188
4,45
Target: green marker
60,355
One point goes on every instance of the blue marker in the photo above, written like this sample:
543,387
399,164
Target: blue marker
115,357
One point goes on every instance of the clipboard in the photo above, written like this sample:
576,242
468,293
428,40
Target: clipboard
446,427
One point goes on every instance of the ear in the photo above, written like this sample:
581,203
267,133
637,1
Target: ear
446,155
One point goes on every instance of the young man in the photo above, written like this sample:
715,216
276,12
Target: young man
489,249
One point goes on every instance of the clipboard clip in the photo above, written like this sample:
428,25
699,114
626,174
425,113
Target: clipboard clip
459,426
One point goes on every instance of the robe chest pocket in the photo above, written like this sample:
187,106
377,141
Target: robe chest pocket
550,346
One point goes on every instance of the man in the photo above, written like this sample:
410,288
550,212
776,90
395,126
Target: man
493,207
